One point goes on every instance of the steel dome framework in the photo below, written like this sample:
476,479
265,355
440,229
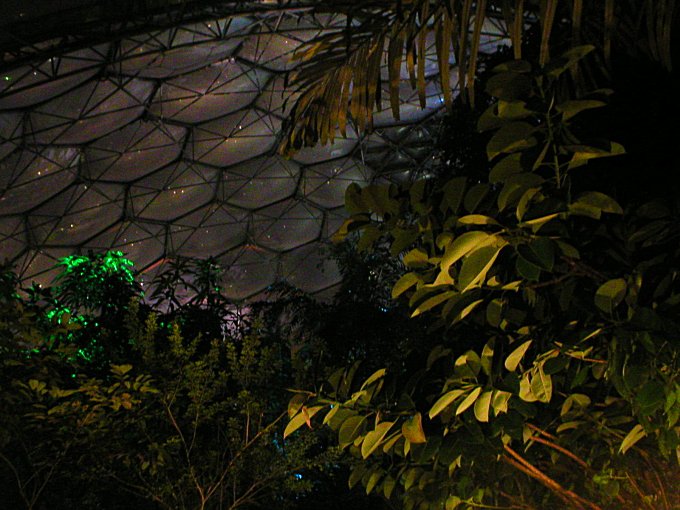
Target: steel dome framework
154,131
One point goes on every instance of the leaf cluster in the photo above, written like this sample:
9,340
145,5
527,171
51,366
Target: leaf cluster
560,309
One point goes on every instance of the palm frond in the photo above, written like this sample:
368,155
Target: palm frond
339,73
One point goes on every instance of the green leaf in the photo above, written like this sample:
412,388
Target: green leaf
453,193
512,361
536,223
541,385
567,60
603,202
462,245
452,502
377,197
300,419
540,252
482,405
416,259
582,153
494,312
515,186
610,294
573,107
635,434
513,110
487,357
412,429
403,238
378,374
508,86
337,416
476,266
350,430
474,196
295,403
412,476
527,270
358,471
469,400
374,438
525,392
431,302
477,219
388,486
569,425
444,401
353,200
120,369
650,397
524,202
468,365
512,137
509,165
466,311
373,480
576,398
389,443
369,235
499,402
404,283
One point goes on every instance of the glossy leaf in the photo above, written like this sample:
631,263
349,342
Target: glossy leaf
445,401
476,266
412,429
404,283
635,434
610,294
482,406
468,401
300,419
513,360
350,430
374,438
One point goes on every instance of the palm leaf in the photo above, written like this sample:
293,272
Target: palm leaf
338,77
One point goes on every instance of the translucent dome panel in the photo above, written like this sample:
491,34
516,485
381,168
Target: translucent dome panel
234,138
213,91
309,269
163,144
324,184
173,191
250,270
259,182
285,225
89,111
29,178
211,230
77,214
11,130
46,79
133,151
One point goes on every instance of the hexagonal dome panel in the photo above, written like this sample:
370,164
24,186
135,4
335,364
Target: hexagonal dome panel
159,139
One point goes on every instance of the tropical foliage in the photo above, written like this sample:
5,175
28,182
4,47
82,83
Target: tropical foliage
340,73
560,312
185,421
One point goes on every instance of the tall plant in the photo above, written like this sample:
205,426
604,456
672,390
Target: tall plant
561,363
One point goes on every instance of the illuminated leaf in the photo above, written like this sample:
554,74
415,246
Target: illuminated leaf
635,434
412,429
374,438
512,361
469,400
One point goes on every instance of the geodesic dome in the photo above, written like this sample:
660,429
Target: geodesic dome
152,128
